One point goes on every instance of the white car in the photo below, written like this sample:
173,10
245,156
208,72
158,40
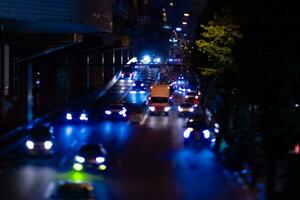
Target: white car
192,94
186,108
116,110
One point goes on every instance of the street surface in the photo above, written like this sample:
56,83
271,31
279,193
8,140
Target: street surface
147,160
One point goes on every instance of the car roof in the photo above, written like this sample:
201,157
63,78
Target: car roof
116,105
92,149
40,132
71,190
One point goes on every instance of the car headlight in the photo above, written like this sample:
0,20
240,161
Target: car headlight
152,108
196,97
142,84
102,167
186,96
69,116
83,117
166,109
217,125
187,132
206,134
29,144
48,145
133,84
108,112
77,166
79,159
180,109
100,159
191,109
132,92
122,112
142,92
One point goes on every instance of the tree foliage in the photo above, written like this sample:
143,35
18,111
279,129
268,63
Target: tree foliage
217,41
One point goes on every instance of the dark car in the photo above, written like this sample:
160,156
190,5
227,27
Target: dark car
40,140
127,72
76,115
138,87
116,110
92,156
196,130
74,190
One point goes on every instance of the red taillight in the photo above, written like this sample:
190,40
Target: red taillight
297,149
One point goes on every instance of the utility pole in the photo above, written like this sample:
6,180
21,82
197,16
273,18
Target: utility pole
2,53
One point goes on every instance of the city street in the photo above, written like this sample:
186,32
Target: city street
146,160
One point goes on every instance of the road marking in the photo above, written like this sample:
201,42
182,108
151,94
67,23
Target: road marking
144,118
49,190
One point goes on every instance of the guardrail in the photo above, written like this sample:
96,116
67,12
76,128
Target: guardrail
13,136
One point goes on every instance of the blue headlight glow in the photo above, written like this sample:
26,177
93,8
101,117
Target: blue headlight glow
79,159
69,116
83,117
122,112
206,134
187,132
100,159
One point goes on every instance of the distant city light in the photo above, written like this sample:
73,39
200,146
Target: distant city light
184,23
296,105
178,29
157,60
164,14
146,59
186,14
132,60
171,4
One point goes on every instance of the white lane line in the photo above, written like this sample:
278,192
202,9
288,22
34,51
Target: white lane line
49,190
144,118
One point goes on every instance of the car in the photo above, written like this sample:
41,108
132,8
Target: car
127,72
193,94
138,87
192,99
186,108
196,130
91,156
40,140
74,190
76,115
180,77
116,110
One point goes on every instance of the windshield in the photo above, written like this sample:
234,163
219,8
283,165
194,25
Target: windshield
186,105
126,69
92,150
192,93
159,100
119,106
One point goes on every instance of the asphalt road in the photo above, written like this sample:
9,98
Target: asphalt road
147,160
